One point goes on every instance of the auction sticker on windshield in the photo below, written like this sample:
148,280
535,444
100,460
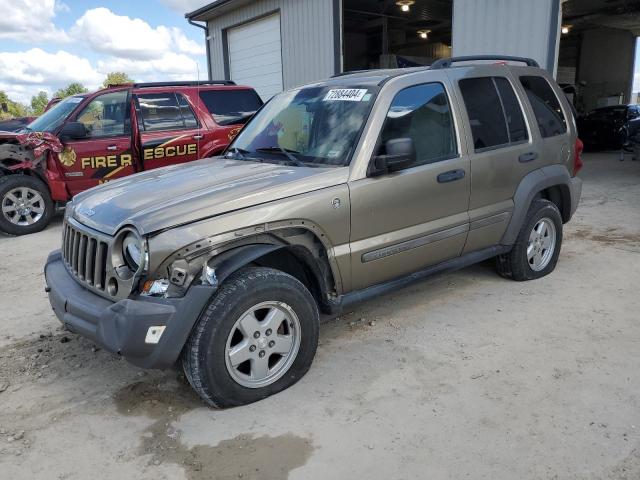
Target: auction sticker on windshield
345,95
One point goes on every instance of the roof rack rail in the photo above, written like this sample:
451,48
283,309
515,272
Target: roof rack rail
446,62
194,83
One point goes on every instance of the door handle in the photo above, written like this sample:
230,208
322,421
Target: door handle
197,137
451,176
528,157
111,148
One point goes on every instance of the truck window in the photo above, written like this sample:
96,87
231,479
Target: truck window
190,120
161,111
106,115
422,113
231,107
495,115
546,106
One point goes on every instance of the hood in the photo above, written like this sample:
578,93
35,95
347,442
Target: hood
180,194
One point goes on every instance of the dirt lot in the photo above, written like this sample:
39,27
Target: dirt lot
464,376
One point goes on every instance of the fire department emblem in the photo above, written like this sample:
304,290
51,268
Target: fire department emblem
67,157
233,132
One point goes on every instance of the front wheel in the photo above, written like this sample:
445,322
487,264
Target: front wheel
537,247
25,204
257,336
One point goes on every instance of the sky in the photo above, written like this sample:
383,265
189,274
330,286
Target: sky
47,44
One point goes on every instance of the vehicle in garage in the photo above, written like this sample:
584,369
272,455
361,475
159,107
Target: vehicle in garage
609,127
89,139
333,193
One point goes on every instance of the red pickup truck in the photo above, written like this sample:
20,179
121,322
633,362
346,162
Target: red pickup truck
90,139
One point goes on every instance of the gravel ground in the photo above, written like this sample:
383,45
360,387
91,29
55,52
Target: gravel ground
466,375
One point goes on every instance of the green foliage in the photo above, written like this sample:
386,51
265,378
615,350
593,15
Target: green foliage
71,89
39,103
116,78
10,109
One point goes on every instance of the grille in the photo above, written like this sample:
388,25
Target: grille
85,256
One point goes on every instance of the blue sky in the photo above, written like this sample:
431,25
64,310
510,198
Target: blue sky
46,44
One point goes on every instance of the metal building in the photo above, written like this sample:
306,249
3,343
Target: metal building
277,44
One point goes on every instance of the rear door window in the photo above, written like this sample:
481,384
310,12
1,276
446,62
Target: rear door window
546,106
512,111
161,111
231,107
494,112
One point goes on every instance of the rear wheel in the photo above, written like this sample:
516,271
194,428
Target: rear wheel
537,247
25,204
257,337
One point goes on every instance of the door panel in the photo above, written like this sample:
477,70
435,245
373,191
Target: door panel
169,130
407,220
407,206
105,153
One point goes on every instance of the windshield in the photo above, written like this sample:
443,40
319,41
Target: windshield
314,126
50,120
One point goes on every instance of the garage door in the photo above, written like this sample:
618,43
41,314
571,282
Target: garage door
255,55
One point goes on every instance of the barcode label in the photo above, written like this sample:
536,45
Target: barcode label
345,95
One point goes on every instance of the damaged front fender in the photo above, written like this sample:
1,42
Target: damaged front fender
26,151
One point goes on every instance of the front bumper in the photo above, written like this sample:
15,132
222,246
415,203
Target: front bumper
121,327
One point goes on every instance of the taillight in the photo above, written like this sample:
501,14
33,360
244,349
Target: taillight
577,156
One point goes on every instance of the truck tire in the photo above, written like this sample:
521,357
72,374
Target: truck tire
537,247
25,204
257,336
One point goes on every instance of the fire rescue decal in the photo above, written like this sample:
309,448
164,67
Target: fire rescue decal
163,148
108,165
233,132
67,157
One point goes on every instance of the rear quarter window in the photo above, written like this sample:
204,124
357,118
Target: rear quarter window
546,106
231,107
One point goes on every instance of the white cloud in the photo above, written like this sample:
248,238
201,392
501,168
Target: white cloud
185,6
30,21
171,66
132,38
25,73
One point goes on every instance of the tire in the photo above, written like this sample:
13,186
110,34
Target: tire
38,208
518,264
205,358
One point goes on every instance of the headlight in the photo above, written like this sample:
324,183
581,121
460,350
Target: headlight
132,251
129,254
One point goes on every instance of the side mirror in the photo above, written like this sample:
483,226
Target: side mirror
72,131
401,154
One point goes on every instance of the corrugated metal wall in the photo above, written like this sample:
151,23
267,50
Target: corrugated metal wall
528,28
307,31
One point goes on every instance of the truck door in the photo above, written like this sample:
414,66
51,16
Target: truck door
105,152
169,130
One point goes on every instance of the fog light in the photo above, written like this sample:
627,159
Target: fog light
155,288
154,334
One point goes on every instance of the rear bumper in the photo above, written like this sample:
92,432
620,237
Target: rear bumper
122,327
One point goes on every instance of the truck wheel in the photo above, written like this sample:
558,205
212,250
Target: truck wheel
25,204
257,336
537,247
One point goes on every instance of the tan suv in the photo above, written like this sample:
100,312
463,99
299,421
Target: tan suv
333,193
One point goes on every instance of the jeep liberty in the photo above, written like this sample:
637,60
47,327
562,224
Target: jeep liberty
333,193
89,139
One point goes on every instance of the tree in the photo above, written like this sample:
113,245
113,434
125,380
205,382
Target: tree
39,103
116,78
71,89
9,108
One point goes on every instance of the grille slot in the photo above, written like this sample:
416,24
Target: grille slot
85,256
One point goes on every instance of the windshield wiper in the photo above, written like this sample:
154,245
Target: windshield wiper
284,151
